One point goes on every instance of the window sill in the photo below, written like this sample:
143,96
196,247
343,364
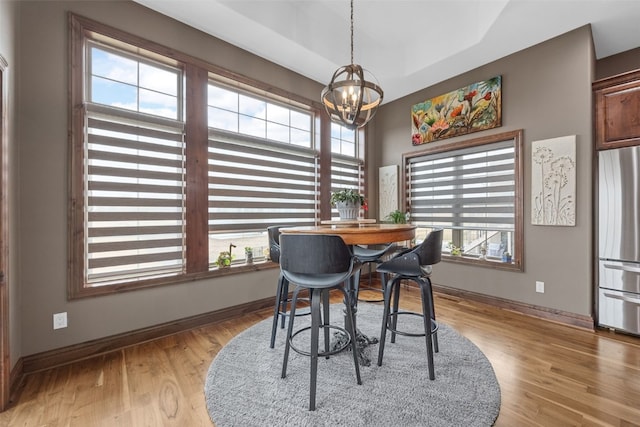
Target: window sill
94,291
515,265
239,268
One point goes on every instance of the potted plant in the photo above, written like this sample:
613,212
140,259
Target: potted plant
248,254
506,256
455,251
348,202
224,260
225,257
398,217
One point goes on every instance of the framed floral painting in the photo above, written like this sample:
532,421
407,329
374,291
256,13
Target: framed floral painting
469,109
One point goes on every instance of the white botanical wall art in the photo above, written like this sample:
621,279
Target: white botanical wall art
553,181
388,190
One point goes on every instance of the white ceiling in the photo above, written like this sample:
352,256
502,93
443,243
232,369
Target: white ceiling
406,44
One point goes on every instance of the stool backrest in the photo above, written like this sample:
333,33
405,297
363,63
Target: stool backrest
314,254
430,250
274,242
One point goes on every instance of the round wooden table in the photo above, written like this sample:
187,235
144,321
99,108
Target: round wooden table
354,233
363,234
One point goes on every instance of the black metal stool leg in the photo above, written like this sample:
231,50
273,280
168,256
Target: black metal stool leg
385,318
284,301
287,346
325,320
354,340
396,304
433,315
276,311
426,310
315,335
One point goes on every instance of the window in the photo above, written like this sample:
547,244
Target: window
347,169
157,194
474,191
134,168
251,115
260,174
132,83
343,140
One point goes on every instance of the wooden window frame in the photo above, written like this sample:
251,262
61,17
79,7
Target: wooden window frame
516,136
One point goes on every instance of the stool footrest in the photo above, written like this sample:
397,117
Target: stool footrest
322,353
434,324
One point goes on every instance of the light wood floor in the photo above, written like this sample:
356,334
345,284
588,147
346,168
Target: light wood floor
549,374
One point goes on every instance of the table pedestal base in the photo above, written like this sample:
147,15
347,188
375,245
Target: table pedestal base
362,341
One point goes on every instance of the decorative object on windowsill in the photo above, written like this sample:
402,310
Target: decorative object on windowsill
348,202
224,260
225,257
354,100
506,257
483,252
455,251
248,255
398,217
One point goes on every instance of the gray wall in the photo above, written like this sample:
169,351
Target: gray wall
9,51
547,92
617,64
42,118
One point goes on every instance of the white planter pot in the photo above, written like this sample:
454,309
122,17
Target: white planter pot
348,210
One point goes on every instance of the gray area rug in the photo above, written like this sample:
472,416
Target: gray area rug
243,386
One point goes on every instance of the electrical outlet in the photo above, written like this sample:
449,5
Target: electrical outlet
540,287
60,320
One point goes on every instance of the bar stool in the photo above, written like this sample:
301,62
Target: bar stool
280,310
372,256
414,264
319,263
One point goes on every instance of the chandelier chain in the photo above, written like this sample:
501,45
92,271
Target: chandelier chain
352,32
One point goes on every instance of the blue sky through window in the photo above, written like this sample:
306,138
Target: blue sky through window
123,82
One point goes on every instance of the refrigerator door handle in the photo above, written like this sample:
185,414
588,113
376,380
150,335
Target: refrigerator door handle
623,298
623,268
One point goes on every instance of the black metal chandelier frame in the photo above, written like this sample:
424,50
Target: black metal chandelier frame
350,99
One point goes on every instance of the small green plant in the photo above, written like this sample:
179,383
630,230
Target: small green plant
397,217
347,195
455,251
224,259
248,254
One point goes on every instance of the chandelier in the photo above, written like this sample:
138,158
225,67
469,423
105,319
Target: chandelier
349,98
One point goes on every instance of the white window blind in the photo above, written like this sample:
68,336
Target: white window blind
470,188
134,184
255,184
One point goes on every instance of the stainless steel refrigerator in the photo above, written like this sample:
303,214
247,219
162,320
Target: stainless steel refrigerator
619,239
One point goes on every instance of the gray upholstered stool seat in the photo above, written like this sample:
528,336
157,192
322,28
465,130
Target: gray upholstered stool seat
372,256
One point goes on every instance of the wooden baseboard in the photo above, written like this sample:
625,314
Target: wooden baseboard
558,316
62,356
16,378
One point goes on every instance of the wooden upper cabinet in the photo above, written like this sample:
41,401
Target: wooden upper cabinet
617,111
